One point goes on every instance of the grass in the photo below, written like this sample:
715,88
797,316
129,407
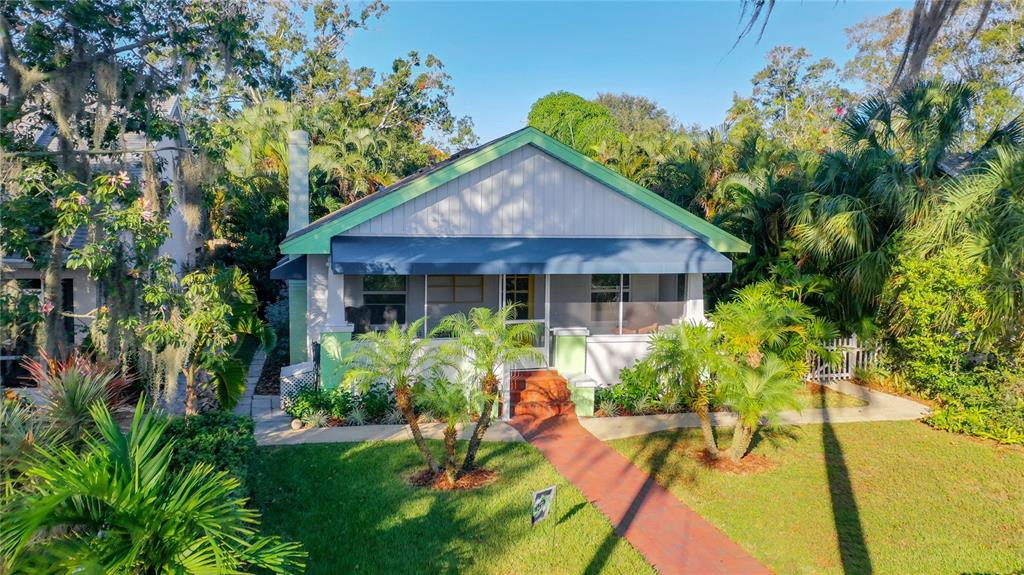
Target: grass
832,397
887,497
350,507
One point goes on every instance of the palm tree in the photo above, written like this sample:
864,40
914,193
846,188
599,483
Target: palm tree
451,403
686,357
399,358
879,185
758,392
116,507
982,214
488,342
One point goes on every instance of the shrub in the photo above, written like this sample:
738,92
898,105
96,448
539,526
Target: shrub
376,402
218,438
638,388
936,309
70,388
341,400
988,403
308,401
315,419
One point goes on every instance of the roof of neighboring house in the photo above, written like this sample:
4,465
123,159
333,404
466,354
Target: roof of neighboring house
315,238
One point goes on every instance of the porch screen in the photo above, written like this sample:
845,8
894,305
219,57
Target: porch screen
384,297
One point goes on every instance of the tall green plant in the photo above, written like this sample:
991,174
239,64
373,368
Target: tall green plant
202,323
402,360
688,361
452,403
489,342
116,507
758,392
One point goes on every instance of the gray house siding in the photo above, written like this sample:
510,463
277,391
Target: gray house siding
526,193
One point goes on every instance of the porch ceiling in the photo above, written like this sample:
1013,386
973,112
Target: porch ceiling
492,255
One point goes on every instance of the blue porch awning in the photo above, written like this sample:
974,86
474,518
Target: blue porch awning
491,255
289,268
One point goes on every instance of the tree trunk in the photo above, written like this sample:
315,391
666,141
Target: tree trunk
741,437
405,406
191,398
54,336
450,437
490,387
710,444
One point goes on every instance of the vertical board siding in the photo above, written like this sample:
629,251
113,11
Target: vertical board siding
525,193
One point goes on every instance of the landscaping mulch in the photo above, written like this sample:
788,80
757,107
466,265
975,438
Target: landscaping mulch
440,482
269,382
751,463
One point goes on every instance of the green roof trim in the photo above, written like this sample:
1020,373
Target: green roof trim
316,237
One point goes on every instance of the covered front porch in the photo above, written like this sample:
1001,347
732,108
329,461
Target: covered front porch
594,301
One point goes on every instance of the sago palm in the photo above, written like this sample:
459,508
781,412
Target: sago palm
489,342
687,360
116,507
758,392
402,360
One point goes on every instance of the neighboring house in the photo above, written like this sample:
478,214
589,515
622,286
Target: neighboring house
595,260
80,294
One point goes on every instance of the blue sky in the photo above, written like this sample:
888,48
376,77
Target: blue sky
502,56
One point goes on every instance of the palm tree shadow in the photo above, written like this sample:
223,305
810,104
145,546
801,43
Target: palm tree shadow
853,549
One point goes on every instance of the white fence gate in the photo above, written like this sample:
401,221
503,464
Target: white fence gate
854,355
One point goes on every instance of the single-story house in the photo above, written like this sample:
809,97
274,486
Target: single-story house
595,260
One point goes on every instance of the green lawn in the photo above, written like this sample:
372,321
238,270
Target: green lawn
351,510
894,497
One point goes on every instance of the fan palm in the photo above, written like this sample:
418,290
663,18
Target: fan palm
401,360
116,507
488,342
982,214
453,404
758,392
880,184
686,357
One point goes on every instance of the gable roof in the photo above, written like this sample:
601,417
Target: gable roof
315,238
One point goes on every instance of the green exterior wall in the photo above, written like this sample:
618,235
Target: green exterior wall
570,354
297,321
333,347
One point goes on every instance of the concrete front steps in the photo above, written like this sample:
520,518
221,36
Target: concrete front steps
540,394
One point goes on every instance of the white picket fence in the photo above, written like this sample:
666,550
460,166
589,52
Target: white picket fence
855,355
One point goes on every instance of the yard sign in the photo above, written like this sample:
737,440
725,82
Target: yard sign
542,501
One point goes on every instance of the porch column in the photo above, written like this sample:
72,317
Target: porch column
547,317
336,335
297,333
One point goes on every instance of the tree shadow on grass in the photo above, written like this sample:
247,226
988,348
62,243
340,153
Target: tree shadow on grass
853,549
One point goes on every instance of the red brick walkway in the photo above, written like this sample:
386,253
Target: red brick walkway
670,535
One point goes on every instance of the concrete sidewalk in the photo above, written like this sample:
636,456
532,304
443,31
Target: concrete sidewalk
881,407
273,426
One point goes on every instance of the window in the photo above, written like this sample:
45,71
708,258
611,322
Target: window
519,292
455,289
384,297
605,288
